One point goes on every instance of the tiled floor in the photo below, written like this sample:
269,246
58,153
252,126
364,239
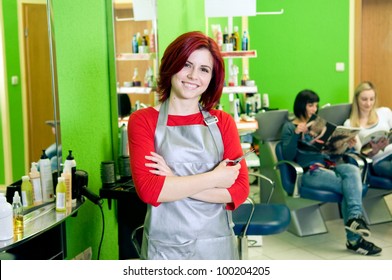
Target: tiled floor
328,246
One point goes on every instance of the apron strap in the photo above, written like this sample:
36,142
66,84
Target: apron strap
211,121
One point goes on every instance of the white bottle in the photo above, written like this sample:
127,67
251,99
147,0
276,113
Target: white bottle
35,179
6,219
46,178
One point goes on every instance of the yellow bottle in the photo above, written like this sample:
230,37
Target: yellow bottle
18,215
27,192
61,193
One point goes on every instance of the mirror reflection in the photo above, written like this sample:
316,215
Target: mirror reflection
41,118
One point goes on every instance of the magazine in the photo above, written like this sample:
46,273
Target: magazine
375,137
327,137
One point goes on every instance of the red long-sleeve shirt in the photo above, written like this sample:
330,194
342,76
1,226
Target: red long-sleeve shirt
141,131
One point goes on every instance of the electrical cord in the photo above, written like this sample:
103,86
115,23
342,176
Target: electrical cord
103,230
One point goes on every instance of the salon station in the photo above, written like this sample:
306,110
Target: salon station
73,72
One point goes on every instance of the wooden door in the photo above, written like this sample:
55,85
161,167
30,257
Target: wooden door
376,47
38,80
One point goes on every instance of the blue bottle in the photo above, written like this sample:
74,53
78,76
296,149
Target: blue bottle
135,45
245,41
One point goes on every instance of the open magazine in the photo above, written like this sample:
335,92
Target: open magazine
327,137
374,137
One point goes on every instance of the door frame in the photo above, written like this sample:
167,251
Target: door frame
23,80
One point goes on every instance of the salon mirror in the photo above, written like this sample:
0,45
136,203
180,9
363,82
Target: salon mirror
40,110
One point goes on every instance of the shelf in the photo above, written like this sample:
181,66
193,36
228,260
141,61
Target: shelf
135,56
239,54
240,89
138,90
246,127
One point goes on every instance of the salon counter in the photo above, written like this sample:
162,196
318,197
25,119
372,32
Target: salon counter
43,236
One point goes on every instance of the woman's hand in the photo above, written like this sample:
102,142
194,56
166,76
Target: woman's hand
352,142
301,128
380,145
159,166
225,175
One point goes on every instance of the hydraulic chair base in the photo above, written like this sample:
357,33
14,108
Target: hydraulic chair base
376,210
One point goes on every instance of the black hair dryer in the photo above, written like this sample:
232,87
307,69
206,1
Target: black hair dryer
80,188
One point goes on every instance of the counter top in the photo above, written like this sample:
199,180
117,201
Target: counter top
38,221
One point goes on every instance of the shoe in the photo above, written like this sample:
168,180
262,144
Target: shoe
364,247
358,226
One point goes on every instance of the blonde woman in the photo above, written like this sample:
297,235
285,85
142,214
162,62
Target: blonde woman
376,121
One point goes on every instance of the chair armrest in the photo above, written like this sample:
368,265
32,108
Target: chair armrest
251,201
271,182
363,162
298,171
135,242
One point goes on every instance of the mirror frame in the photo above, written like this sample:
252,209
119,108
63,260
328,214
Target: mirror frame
53,70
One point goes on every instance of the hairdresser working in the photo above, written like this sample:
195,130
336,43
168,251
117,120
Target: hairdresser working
179,153
372,119
328,172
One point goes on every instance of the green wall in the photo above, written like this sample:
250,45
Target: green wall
83,86
296,50
12,67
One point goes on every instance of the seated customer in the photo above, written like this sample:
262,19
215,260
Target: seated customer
327,172
370,118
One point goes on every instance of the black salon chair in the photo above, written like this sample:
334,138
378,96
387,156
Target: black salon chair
259,219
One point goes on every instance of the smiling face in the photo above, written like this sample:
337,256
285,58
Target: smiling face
366,100
311,109
193,79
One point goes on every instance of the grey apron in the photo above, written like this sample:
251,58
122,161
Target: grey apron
188,229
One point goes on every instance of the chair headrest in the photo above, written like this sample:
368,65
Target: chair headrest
270,124
336,114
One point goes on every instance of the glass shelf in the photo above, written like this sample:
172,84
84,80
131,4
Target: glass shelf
240,89
239,54
138,90
135,56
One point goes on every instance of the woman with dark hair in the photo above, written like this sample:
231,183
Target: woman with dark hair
328,172
179,152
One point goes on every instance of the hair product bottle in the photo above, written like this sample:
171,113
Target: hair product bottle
6,224
245,41
46,178
35,178
70,167
152,41
17,209
61,193
135,44
237,39
27,192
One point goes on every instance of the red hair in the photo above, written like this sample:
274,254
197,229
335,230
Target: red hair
175,57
